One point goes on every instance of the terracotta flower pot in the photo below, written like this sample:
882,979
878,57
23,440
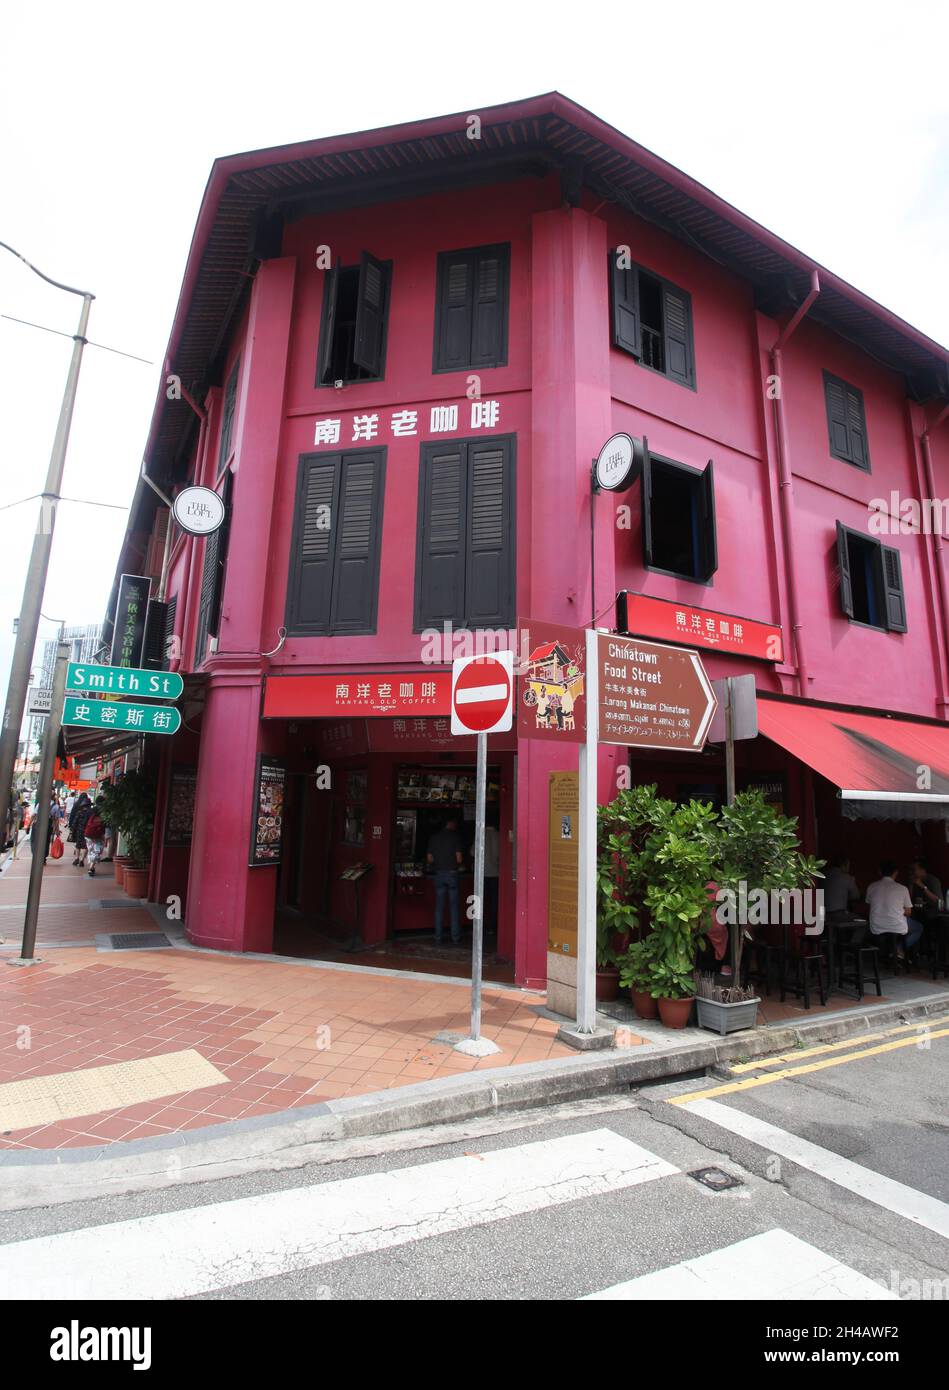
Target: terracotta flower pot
136,881
644,1004
675,1012
607,983
118,868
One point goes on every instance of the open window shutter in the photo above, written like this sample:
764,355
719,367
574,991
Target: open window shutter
227,417
843,564
454,311
856,428
208,574
371,314
440,570
489,307
708,538
893,588
170,617
312,547
624,293
327,326
647,505
489,578
356,560
223,534
837,418
153,648
677,330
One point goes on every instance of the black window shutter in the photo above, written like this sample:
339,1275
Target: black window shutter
356,559
327,325
223,534
207,594
677,331
856,428
227,417
371,306
442,525
156,622
843,564
313,544
454,310
170,617
624,296
836,398
893,588
489,308
489,577
708,540
647,505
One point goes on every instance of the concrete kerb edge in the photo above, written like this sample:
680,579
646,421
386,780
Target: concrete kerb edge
242,1145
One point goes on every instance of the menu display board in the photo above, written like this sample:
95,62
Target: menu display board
179,818
266,836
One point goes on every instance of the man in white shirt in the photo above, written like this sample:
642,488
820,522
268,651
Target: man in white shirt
891,908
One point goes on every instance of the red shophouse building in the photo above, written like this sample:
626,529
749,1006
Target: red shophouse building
398,352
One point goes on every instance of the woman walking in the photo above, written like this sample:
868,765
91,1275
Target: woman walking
77,826
94,835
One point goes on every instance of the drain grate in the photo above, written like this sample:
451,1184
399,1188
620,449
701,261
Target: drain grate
138,941
716,1178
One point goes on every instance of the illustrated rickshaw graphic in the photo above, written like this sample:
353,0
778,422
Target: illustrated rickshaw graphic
554,683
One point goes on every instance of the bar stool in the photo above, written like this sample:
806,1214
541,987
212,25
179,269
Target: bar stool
851,968
760,961
801,983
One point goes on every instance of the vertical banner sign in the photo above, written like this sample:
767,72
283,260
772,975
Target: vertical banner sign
128,634
551,701
563,831
266,836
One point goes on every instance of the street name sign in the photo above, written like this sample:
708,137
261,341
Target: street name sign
651,695
103,714
124,680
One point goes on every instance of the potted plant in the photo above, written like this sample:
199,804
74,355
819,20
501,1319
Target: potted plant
129,807
635,975
616,916
724,1008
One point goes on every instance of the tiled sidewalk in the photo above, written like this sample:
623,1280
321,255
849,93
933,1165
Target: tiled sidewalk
280,1035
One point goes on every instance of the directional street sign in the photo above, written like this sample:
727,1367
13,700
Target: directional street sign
651,695
127,719
482,689
124,680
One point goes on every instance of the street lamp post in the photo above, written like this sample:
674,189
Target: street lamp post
28,625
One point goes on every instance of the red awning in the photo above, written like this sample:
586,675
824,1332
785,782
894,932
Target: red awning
886,769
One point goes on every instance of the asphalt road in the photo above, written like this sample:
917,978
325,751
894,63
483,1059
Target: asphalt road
841,1190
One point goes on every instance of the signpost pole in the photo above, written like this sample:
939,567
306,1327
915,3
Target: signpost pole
729,743
477,942
44,795
586,897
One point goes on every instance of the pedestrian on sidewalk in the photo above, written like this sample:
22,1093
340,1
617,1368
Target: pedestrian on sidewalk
77,825
446,856
94,834
52,828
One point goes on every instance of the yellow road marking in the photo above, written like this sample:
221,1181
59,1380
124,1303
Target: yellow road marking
730,1087
800,1053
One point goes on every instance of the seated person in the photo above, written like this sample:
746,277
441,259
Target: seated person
840,887
890,910
925,888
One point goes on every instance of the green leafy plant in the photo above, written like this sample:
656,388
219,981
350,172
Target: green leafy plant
129,807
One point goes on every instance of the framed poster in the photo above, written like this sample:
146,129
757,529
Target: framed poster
266,832
179,816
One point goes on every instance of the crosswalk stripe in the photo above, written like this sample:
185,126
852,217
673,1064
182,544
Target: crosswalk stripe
774,1266
180,1253
894,1196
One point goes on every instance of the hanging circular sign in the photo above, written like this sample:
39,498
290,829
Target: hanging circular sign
198,510
618,464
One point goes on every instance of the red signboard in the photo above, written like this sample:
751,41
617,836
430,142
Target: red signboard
551,702
699,627
358,695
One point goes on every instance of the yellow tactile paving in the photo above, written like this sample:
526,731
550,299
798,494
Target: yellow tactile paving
41,1100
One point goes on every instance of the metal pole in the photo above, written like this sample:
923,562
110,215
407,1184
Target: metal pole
586,867
43,798
477,943
729,744
37,570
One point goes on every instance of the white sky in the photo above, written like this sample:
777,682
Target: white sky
826,122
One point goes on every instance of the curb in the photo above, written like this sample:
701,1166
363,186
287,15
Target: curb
297,1136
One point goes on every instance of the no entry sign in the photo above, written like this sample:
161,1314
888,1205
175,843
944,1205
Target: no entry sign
482,690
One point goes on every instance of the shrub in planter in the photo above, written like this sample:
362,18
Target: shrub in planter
634,975
724,1008
129,807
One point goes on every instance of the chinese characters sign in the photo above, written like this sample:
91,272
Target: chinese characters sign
551,702
698,627
401,424
402,693
266,836
128,633
104,714
651,696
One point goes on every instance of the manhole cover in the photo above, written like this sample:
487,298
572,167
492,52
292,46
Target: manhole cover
716,1178
138,941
